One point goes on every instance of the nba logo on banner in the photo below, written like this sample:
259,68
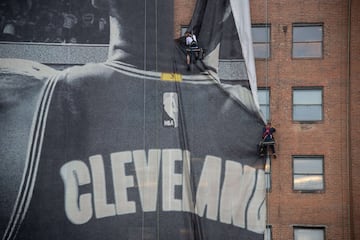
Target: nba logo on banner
171,109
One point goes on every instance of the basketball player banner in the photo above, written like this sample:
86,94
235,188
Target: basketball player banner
122,150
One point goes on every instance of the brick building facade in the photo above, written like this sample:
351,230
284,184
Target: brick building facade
332,211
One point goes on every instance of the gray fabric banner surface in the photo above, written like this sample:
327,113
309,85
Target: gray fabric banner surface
138,147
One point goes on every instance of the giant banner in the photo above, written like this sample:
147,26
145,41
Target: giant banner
137,147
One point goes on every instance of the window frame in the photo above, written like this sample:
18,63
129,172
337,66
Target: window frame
267,42
268,174
319,88
309,227
304,25
320,157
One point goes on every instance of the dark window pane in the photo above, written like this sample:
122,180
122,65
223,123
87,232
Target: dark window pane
308,173
307,113
307,50
261,50
308,166
308,182
265,110
261,41
307,96
268,181
307,41
307,34
263,96
309,234
264,102
260,34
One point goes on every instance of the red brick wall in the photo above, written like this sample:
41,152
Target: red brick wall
183,10
330,138
355,115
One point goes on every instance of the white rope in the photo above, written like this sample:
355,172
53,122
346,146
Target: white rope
156,70
144,105
267,89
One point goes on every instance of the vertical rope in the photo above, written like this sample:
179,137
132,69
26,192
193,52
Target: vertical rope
268,41
267,88
144,105
157,95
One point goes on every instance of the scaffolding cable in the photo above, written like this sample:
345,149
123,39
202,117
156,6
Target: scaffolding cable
268,158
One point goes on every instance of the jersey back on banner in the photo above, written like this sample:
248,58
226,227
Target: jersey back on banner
116,153
148,145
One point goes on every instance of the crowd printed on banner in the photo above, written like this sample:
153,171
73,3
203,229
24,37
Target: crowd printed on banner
238,200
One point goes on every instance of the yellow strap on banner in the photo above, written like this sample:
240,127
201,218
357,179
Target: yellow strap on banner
174,77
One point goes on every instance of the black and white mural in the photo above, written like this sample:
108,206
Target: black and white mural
139,146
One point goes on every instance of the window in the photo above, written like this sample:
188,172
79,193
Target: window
309,233
308,173
268,174
307,105
261,40
268,232
264,101
307,41
183,29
